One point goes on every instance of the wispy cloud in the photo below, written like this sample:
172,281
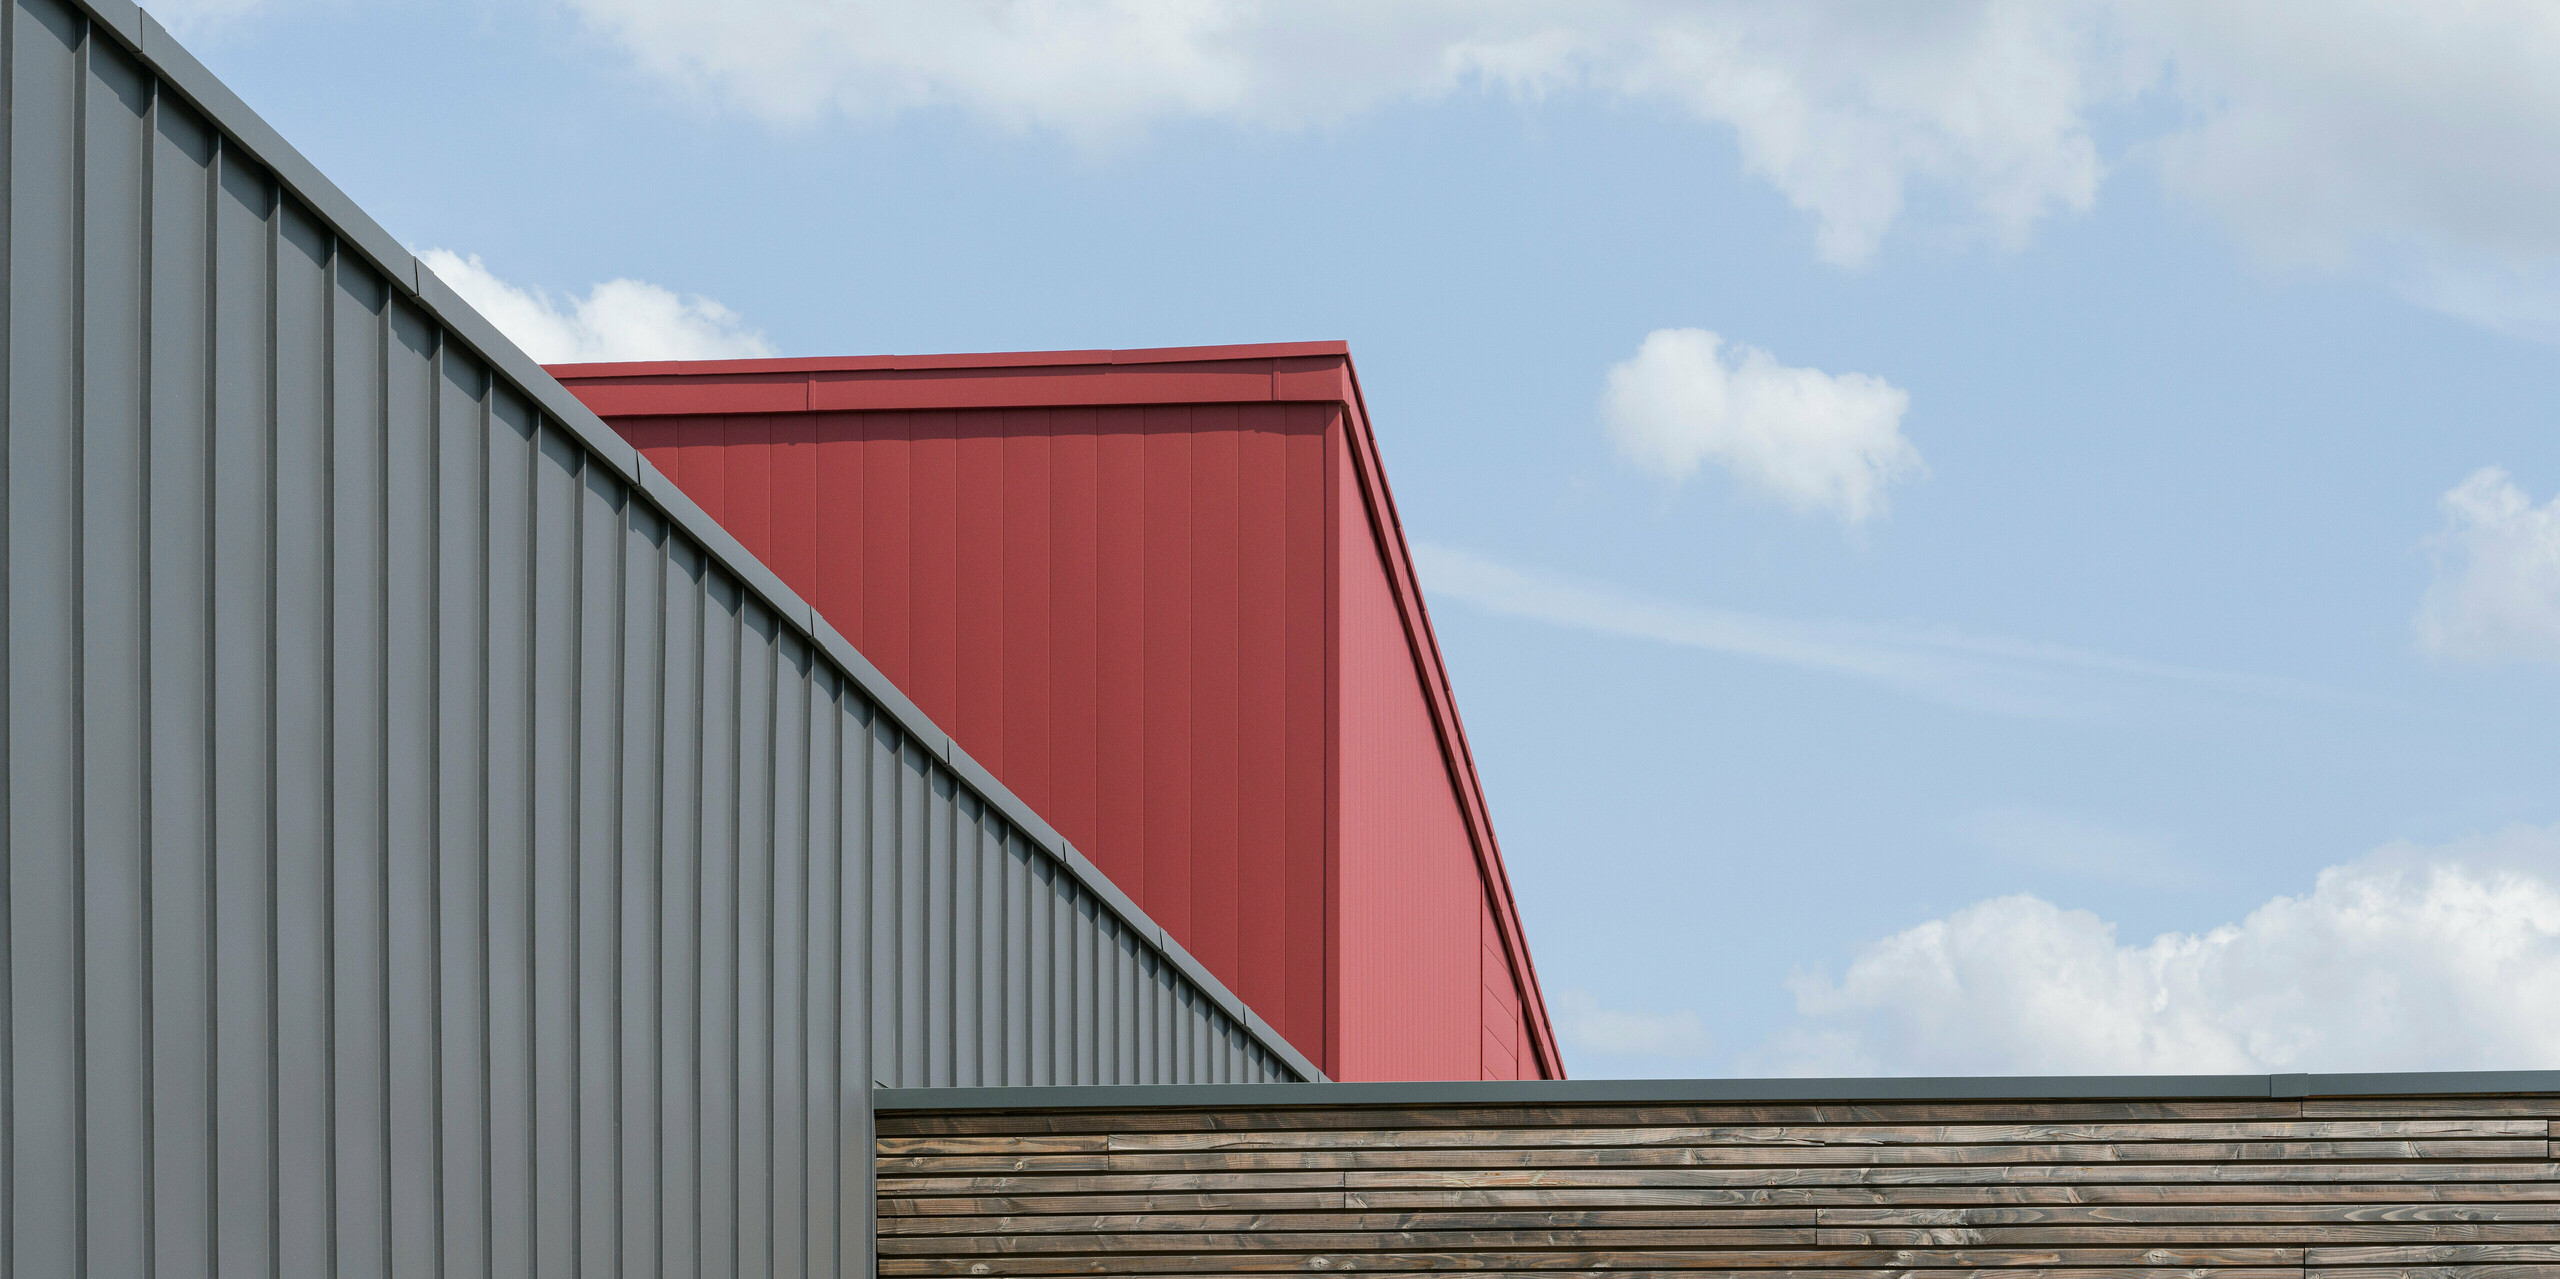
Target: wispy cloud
1986,673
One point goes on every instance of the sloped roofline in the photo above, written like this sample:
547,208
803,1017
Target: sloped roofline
1299,372
244,131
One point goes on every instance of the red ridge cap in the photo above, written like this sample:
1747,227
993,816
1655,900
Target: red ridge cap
962,360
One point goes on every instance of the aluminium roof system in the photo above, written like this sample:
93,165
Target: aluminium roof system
161,53
1278,371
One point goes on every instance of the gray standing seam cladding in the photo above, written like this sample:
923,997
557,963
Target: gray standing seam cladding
432,846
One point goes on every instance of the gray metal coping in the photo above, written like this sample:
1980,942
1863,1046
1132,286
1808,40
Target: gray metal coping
1562,1092
142,36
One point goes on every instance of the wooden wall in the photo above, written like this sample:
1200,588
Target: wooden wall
2424,1187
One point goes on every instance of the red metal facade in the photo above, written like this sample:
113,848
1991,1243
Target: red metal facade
1162,595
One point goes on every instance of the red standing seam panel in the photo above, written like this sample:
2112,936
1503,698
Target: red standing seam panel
933,649
1266,930
1165,685
1075,653
795,502
1167,622
1030,761
1215,693
887,560
1309,768
840,524
703,453
747,494
978,605
1121,591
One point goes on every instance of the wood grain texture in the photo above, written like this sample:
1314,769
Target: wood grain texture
2352,1188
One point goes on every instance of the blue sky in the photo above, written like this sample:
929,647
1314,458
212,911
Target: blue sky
2061,620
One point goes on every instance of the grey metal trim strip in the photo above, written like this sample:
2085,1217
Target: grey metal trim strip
162,54
1683,1091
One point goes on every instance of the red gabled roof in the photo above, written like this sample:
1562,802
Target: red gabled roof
1264,372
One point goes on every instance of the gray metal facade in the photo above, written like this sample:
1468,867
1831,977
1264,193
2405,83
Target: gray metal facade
432,846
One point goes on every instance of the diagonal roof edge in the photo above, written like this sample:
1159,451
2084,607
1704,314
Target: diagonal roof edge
151,44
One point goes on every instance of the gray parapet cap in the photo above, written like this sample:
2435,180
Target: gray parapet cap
1674,1092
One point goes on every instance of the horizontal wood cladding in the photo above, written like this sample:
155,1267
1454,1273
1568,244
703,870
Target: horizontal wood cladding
2433,1187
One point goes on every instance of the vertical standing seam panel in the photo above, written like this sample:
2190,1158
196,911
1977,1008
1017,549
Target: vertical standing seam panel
177,679
299,743
44,1115
716,1045
556,938
507,884
410,750
423,860
678,1007
752,1002
113,957
461,810
600,671
358,587
243,713
786,1009
643,750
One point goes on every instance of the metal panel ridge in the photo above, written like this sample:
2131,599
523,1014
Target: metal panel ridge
158,52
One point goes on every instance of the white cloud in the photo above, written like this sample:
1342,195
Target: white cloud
1587,1027
2412,958
616,320
2401,139
1985,673
1816,441
1841,107
2496,594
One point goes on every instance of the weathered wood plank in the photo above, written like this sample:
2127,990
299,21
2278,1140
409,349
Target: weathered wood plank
1020,1206
1579,1260
1481,1237
2451,1254
1945,1175
1942,1194
1996,1174
1756,1134
1452,1241
2340,1233
1730,1156
2353,1188
1858,1272
2435,1272
922,1123
1655,1218
2546,1105
2134,1213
